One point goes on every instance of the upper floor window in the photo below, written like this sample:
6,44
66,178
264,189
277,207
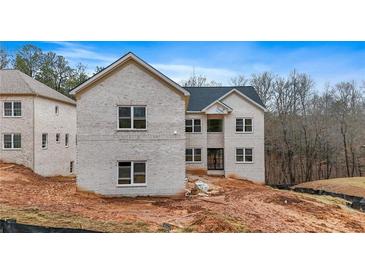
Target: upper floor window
244,125
58,137
244,155
132,117
215,125
193,125
12,141
56,110
66,139
44,140
12,109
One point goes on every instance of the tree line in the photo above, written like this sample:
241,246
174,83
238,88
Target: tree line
47,67
310,134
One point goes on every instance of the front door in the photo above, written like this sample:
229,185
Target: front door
215,159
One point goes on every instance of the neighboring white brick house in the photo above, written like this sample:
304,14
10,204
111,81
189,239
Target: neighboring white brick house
31,112
131,123
231,135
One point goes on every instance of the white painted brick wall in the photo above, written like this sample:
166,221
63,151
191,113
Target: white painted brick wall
101,145
22,125
55,160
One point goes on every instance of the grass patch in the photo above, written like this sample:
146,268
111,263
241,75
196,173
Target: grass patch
34,216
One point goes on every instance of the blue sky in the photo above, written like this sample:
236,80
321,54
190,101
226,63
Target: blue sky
220,61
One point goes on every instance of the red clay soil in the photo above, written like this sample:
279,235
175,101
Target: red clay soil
235,206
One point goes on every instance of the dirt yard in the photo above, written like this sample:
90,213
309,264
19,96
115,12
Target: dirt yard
232,206
354,186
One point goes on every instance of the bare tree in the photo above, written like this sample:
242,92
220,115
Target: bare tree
264,83
199,81
239,80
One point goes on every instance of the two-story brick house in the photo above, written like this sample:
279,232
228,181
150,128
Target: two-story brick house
37,125
138,131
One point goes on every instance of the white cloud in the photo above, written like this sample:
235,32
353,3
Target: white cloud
75,52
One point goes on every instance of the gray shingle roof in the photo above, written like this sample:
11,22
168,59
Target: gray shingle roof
200,97
16,82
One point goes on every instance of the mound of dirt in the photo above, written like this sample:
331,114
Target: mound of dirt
232,206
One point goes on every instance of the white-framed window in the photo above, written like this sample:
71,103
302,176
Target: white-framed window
12,109
244,155
67,136
193,155
244,125
58,138
131,173
44,140
132,117
71,166
56,110
193,125
12,141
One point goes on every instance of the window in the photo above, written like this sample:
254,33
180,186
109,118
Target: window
215,125
66,139
58,137
44,140
193,125
193,155
13,109
12,141
244,125
131,173
244,155
132,117
56,110
71,166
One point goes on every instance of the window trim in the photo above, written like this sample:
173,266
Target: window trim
46,147
244,120
12,141
193,155
244,155
132,118
132,184
192,125
12,109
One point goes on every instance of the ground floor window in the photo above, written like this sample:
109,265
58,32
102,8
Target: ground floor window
244,155
71,166
193,155
12,141
131,172
44,140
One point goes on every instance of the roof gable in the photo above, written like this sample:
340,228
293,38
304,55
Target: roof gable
124,59
15,82
217,107
201,97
